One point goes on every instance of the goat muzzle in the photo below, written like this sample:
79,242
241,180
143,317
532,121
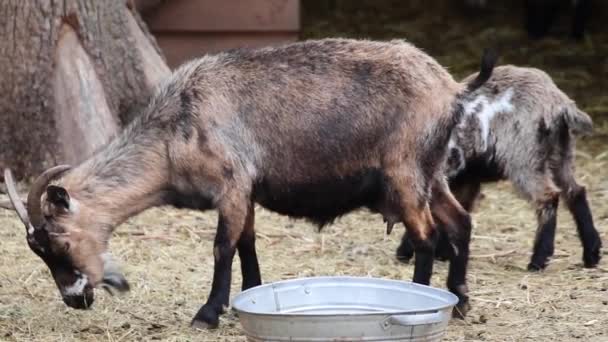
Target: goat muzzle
81,301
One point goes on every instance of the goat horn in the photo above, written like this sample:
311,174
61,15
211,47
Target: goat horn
16,200
34,207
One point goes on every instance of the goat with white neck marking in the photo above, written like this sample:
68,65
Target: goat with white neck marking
520,126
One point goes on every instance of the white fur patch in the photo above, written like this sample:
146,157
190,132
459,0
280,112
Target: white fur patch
488,111
74,206
77,288
451,143
109,265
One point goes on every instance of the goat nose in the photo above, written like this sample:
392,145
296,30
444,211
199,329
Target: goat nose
80,302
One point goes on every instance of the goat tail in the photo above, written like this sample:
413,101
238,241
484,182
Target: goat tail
488,61
578,122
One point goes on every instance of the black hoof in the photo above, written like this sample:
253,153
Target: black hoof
462,308
404,259
443,255
591,259
405,252
206,318
536,266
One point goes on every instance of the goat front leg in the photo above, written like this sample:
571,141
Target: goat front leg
250,269
405,200
546,214
232,217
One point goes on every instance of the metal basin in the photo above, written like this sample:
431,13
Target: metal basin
344,309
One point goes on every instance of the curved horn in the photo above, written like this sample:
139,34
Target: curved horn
34,207
16,200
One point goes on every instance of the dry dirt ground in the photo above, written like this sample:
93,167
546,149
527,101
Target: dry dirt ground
167,257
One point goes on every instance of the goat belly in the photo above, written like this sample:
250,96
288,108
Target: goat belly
322,201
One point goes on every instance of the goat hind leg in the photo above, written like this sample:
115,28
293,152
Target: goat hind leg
405,251
407,201
457,226
422,229
576,199
443,250
575,196
466,193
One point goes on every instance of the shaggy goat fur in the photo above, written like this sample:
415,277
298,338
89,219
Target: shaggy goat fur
520,126
311,130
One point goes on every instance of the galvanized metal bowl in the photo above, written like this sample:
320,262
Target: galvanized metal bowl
344,309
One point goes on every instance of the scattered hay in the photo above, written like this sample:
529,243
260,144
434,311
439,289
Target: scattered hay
167,254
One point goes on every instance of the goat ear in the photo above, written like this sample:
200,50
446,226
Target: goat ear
59,197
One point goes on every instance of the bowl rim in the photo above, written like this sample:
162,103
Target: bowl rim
450,299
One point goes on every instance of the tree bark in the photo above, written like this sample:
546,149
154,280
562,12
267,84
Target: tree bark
71,73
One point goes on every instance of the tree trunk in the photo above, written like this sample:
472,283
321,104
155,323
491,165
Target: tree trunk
71,73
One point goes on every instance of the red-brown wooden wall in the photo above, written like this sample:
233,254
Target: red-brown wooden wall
186,29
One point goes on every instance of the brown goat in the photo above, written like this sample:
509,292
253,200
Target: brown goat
311,130
520,126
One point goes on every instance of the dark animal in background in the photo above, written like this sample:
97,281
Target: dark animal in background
542,14
311,130
521,127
